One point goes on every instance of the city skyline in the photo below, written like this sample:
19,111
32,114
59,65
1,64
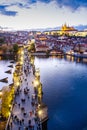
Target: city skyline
31,14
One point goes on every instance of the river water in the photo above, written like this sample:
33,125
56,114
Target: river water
65,92
4,67
64,85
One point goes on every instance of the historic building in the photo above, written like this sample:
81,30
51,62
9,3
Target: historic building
67,30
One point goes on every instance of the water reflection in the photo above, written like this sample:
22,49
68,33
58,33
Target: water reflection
65,92
66,57
75,59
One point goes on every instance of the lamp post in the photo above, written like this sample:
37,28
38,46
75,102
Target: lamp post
37,72
42,114
0,93
35,82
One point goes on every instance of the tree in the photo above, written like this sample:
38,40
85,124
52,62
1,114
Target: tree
15,48
32,47
7,98
2,40
0,48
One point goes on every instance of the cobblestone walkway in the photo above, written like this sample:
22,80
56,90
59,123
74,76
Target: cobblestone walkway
23,113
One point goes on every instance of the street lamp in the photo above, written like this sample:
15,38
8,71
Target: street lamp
35,82
22,52
42,114
37,72
0,93
21,58
17,83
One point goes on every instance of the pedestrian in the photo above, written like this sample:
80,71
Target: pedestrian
12,115
19,128
8,127
23,121
32,127
26,128
17,120
11,125
20,122
19,105
29,121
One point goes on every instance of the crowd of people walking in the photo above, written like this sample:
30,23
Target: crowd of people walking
23,115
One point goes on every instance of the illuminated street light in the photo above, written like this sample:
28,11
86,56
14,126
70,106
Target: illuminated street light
36,82
17,83
42,113
21,62
22,52
0,93
37,72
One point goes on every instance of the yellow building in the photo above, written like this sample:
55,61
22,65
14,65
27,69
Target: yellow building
81,33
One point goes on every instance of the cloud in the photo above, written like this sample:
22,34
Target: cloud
74,4
4,11
4,4
9,13
45,1
40,14
20,3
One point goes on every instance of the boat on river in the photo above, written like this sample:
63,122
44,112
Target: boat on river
8,71
4,80
11,66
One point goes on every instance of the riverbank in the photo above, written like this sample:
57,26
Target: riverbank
78,55
59,54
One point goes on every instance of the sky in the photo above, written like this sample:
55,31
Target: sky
32,14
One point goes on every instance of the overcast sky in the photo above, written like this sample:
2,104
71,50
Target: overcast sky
29,14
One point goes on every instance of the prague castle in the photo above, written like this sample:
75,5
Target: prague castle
67,28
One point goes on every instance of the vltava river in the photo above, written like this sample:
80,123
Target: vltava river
65,92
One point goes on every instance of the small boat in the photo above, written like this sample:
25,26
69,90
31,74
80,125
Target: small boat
8,71
10,66
4,80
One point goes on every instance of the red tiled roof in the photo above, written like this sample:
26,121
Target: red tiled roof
42,46
83,45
